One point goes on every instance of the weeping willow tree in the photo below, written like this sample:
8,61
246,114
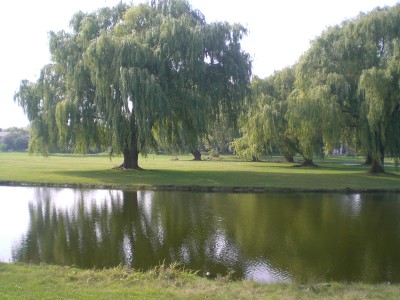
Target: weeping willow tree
264,126
331,103
39,101
314,119
381,110
134,76
220,134
379,88
253,141
61,105
208,76
314,114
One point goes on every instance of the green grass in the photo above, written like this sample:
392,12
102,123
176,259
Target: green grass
54,282
229,172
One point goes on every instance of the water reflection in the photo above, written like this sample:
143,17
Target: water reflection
263,237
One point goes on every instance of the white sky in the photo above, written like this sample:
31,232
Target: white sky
279,32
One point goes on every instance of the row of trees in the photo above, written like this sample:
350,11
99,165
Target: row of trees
344,90
159,76
14,139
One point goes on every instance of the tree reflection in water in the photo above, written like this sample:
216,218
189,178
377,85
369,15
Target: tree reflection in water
265,237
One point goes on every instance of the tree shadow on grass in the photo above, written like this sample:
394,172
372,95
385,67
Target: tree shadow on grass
231,180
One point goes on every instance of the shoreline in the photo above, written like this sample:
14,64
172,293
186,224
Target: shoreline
196,188
167,282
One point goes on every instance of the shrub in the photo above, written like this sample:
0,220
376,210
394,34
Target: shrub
213,153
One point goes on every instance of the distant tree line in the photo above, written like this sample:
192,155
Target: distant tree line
158,76
14,139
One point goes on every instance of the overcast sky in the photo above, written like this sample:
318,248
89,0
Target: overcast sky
279,32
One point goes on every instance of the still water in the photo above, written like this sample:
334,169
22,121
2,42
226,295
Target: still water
264,237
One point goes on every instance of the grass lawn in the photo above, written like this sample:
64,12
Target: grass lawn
228,172
53,282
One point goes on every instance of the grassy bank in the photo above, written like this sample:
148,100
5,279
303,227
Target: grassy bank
228,172
53,282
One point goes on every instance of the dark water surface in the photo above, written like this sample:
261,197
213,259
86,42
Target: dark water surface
265,237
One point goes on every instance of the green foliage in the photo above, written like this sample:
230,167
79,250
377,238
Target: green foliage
380,89
214,153
220,134
14,139
129,76
346,88
314,119
263,125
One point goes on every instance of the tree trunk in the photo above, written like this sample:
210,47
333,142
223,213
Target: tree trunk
308,163
289,158
376,167
131,150
254,159
368,160
131,159
196,153
378,160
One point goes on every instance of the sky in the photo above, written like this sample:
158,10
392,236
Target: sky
280,31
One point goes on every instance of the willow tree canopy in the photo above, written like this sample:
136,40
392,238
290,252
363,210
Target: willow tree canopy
346,82
135,75
264,126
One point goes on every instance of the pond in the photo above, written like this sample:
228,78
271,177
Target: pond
267,237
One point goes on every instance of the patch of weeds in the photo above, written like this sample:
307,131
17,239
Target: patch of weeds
317,288
72,275
171,272
228,277
120,272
